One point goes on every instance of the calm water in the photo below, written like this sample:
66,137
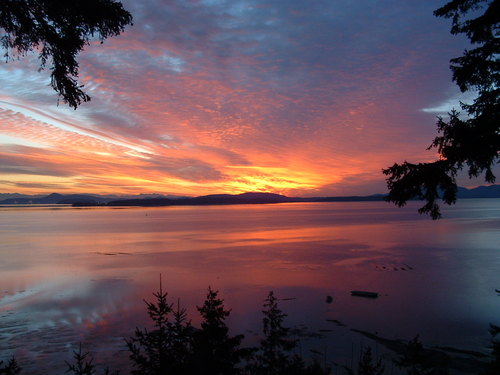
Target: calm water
79,275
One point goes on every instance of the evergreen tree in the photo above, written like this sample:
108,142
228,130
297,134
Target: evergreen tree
470,139
10,368
181,342
277,343
417,362
274,355
149,350
58,30
494,365
83,364
215,351
368,365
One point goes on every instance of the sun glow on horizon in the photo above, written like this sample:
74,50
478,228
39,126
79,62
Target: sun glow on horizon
274,179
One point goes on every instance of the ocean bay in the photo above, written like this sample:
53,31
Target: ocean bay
79,275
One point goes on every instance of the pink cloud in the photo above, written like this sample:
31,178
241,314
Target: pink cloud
291,96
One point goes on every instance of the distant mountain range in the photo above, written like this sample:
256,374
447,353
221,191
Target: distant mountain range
55,198
492,191
245,198
150,200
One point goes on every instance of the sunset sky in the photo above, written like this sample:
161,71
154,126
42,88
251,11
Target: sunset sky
299,97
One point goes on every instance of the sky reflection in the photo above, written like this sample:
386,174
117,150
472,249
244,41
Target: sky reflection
80,275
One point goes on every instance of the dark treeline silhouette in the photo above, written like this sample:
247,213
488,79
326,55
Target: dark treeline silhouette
141,200
174,346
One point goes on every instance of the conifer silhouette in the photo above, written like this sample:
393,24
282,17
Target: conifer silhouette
215,351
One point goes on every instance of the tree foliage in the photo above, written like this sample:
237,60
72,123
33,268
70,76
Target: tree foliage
274,356
494,365
416,360
58,30
164,349
215,351
277,343
368,365
83,363
174,346
469,139
10,368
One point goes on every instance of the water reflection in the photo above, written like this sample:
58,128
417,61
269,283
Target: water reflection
71,275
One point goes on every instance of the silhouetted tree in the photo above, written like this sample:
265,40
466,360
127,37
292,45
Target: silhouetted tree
471,139
10,368
83,364
494,365
277,344
181,342
215,351
368,365
58,30
274,356
149,350
416,362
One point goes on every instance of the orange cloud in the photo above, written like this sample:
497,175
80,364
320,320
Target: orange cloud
233,100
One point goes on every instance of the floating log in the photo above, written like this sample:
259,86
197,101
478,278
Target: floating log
362,293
